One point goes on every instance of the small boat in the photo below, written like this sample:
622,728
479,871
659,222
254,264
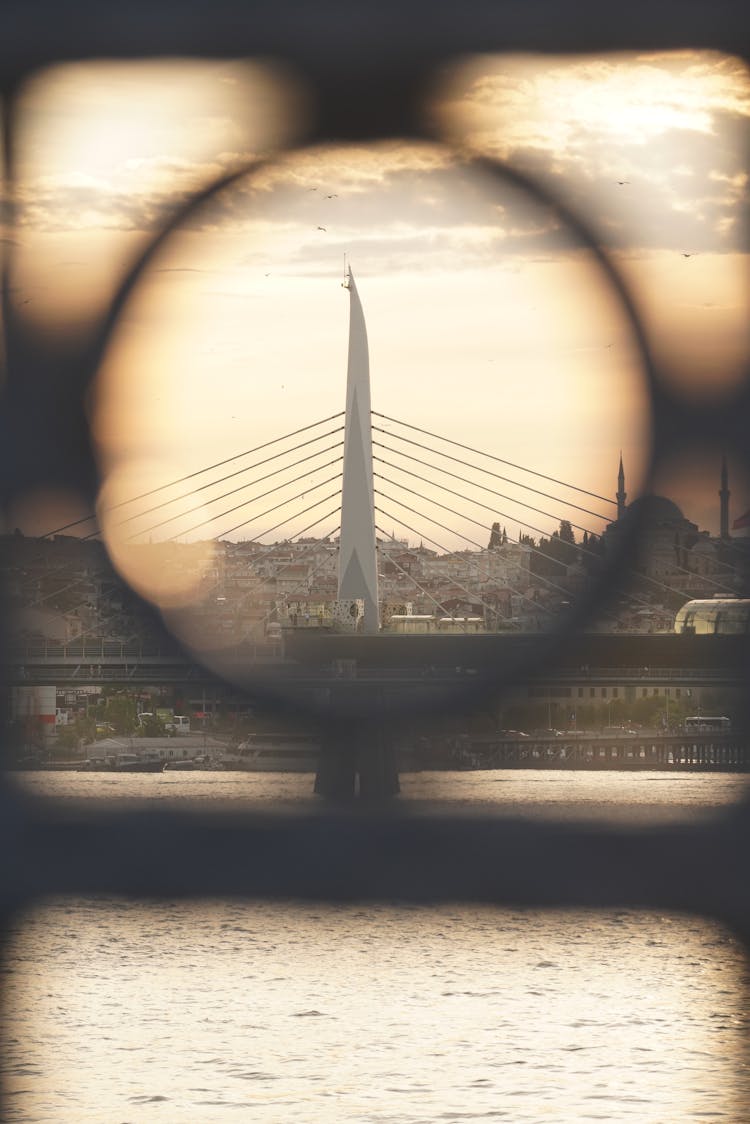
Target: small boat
274,753
132,763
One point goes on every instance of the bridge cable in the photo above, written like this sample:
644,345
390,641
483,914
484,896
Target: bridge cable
253,499
471,593
249,468
221,583
492,609
492,456
468,499
303,581
443,608
67,565
62,613
266,550
486,576
578,547
309,527
540,577
488,472
198,472
297,514
709,581
262,514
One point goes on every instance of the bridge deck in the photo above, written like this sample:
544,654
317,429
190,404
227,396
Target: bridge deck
395,661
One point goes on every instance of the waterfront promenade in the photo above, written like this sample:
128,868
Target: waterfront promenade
673,752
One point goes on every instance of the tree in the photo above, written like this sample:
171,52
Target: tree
560,549
152,727
495,540
119,711
592,553
76,734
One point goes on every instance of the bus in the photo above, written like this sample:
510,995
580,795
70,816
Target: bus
704,724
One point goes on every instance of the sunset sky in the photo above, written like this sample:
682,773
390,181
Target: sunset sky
487,322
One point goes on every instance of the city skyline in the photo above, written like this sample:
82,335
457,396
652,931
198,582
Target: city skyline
35,522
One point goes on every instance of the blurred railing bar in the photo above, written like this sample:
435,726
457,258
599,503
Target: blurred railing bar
356,37
346,858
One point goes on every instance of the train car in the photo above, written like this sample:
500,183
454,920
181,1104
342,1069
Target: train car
719,616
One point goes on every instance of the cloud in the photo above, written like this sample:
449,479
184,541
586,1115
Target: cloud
69,208
647,148
650,148
141,196
445,218
351,168
627,100
146,190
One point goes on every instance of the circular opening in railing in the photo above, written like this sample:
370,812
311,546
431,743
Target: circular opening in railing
318,483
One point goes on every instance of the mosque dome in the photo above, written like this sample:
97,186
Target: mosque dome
657,509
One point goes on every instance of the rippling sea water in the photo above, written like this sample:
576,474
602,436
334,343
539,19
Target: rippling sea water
121,1012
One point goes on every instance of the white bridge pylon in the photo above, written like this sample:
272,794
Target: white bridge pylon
358,564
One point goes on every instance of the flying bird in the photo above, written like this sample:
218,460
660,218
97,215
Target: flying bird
622,182
322,228
686,255
334,196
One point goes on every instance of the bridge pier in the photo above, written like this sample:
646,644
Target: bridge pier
357,761
336,778
377,766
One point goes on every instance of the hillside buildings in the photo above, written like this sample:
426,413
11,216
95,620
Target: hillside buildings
65,588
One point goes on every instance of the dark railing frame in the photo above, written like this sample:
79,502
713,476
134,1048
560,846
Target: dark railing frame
368,66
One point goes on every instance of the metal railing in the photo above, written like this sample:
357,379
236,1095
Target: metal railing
367,66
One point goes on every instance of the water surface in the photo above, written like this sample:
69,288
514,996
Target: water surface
216,1011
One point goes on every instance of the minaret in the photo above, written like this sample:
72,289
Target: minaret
358,565
621,493
724,500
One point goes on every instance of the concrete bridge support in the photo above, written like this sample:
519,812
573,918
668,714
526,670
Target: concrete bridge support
336,778
377,766
357,759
